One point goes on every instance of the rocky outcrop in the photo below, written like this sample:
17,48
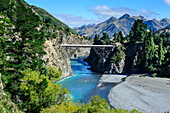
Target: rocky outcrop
115,68
165,30
59,56
106,65
119,60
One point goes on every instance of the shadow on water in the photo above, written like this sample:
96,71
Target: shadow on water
83,84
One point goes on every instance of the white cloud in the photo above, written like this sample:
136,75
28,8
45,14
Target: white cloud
167,2
103,12
107,11
75,21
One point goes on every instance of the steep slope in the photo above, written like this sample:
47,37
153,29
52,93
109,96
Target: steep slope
48,18
164,30
155,24
124,24
6,105
31,57
51,29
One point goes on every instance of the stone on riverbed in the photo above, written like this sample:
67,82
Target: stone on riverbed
146,94
111,78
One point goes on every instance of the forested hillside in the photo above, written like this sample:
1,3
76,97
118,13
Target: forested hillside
48,18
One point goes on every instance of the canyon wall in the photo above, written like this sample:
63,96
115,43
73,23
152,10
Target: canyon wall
59,56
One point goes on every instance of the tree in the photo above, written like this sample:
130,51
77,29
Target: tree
150,52
138,32
66,107
39,92
119,53
105,38
161,53
97,105
96,38
118,37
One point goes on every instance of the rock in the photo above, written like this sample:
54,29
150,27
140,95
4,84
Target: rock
105,65
142,94
112,78
113,68
59,57
124,24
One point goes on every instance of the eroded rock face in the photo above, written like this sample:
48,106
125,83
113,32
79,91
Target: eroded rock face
105,65
115,68
59,56
129,62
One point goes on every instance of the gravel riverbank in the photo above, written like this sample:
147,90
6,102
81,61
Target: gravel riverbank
146,94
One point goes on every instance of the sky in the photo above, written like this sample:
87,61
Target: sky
76,13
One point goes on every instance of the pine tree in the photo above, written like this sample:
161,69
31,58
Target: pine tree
96,38
150,52
121,37
118,37
105,38
138,32
161,53
23,52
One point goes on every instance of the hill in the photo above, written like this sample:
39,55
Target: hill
31,57
124,24
48,18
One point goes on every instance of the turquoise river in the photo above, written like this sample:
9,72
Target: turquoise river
83,84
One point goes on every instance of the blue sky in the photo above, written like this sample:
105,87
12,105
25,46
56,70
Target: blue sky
79,12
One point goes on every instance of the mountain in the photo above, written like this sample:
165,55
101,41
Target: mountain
164,30
124,24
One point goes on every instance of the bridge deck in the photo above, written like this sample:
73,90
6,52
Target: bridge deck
87,46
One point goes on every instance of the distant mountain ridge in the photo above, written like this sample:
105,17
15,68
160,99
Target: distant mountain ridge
124,24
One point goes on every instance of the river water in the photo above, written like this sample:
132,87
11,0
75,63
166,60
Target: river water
83,84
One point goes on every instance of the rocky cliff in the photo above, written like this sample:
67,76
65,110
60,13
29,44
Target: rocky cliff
108,64
121,59
59,33
59,56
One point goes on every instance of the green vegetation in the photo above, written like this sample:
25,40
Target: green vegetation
138,32
6,106
48,18
118,37
151,50
25,78
105,38
96,105
27,82
119,54
39,92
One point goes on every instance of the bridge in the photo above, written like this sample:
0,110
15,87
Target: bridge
100,50
88,46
